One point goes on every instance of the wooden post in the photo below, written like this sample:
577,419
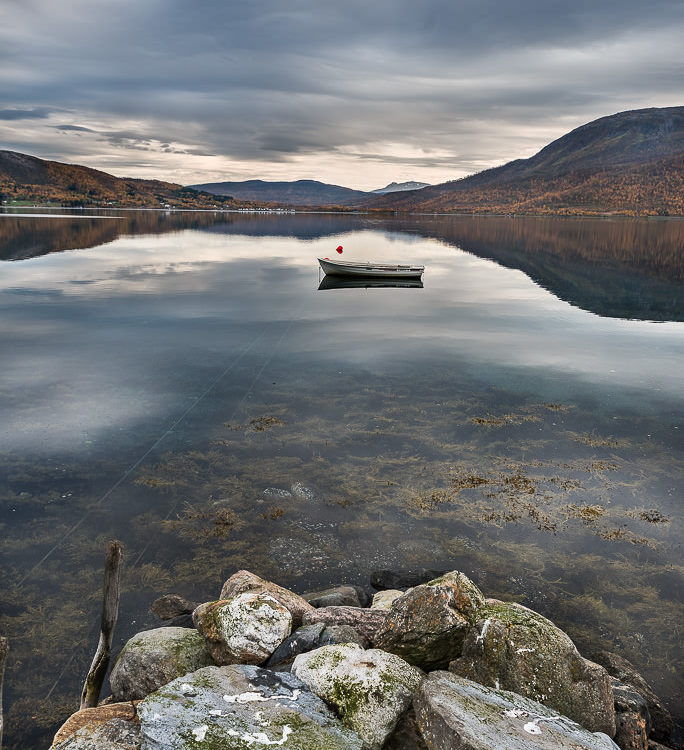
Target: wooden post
4,648
110,611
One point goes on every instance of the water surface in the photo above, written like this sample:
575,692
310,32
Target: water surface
180,382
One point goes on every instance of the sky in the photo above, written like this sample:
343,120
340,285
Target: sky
357,93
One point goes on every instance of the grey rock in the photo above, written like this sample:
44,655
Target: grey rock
303,639
402,579
152,658
632,722
453,712
172,605
116,734
244,629
369,689
617,666
244,581
427,625
383,599
407,734
237,707
181,621
337,596
366,622
514,648
334,634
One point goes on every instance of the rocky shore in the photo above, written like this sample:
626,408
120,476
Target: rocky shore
426,662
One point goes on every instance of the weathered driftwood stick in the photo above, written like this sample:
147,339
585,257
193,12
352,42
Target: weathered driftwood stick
4,648
110,611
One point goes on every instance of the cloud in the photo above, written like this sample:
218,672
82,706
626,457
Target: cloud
261,84
24,114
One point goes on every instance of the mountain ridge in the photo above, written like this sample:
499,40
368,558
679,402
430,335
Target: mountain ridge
295,193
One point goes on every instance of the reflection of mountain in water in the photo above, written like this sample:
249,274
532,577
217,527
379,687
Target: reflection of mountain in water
626,268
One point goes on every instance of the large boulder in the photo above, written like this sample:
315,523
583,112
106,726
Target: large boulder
337,596
152,658
245,629
237,707
366,622
243,581
453,712
385,598
369,689
89,722
116,734
427,625
513,648
617,666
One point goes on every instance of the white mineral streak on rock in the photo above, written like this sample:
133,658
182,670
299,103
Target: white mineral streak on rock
532,728
200,732
260,738
188,689
515,713
480,638
524,650
216,712
257,697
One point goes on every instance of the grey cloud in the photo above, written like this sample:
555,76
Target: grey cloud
24,114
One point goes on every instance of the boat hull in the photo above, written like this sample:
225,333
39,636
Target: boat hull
372,270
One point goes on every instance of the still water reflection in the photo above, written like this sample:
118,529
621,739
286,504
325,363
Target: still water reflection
189,384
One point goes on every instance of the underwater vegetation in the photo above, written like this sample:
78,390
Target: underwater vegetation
550,504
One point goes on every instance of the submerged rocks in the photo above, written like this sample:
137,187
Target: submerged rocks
369,689
240,706
152,658
453,712
245,629
172,605
427,625
366,622
514,648
402,579
244,581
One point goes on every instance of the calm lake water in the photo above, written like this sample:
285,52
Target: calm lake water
185,383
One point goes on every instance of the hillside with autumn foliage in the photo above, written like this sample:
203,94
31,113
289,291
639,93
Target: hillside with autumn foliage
630,163
27,178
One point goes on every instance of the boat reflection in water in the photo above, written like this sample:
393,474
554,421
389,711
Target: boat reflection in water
347,282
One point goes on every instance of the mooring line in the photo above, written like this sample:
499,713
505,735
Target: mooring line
137,463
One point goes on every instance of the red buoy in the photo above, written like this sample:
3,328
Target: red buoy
339,249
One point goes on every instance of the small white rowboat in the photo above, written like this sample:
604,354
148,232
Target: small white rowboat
359,268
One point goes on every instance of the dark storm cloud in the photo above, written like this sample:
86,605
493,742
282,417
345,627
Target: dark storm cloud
267,80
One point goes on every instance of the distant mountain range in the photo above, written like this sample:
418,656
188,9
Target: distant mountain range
27,178
628,163
631,162
298,193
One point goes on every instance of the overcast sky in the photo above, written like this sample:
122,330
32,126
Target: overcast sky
354,92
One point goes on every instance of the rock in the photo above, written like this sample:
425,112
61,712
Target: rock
244,629
402,579
364,597
93,718
453,712
632,722
240,706
152,658
384,599
243,581
617,666
334,634
369,689
652,745
116,734
303,639
181,621
516,649
427,625
366,622
172,605
338,596
407,734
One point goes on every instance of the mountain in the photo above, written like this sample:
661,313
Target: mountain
397,187
631,162
298,193
27,178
